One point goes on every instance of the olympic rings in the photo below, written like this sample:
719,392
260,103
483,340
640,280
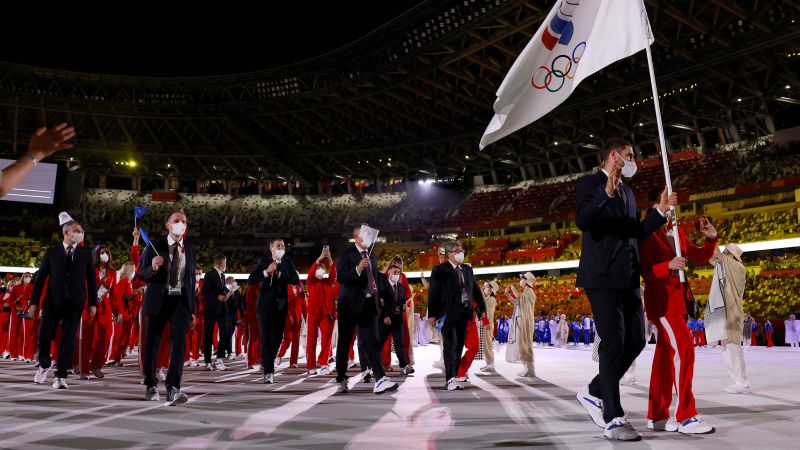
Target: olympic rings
562,73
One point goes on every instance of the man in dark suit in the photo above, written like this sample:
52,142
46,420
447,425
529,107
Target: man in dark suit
216,296
235,308
168,271
452,291
358,307
390,321
609,272
275,272
68,270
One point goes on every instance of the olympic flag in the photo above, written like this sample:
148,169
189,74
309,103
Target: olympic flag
578,38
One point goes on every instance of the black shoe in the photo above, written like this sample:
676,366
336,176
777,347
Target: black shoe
151,394
111,363
175,397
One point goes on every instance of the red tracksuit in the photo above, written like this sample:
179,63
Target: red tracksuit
122,302
31,325
321,314
471,345
96,331
195,342
5,320
386,356
250,318
673,362
17,331
294,323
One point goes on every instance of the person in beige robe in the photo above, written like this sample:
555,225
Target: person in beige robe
527,302
733,283
489,296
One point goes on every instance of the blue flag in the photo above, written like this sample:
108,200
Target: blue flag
440,323
144,235
139,211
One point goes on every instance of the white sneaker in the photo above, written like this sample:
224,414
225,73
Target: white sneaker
312,373
489,368
60,383
384,385
209,367
627,381
269,378
6,355
219,365
161,375
463,379
193,363
278,361
529,372
620,429
351,364
439,365
324,370
407,370
366,376
453,385
662,425
41,375
594,406
695,425
737,388
231,358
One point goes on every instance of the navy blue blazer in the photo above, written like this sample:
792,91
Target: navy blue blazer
67,286
158,282
353,287
212,288
610,252
444,292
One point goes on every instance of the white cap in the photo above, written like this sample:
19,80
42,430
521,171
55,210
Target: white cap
63,218
735,251
529,278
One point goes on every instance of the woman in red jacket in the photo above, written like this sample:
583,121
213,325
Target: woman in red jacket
96,330
121,309
321,312
673,363
250,318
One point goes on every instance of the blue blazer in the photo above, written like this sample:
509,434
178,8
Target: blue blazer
609,230
158,281
67,287
444,293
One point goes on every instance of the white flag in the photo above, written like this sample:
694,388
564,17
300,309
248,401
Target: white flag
578,38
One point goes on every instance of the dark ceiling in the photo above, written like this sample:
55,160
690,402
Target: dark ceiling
419,90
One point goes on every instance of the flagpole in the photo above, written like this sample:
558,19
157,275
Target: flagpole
664,159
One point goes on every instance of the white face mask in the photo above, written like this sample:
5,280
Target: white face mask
104,257
459,257
395,278
278,254
320,273
230,286
178,229
76,238
197,277
630,169
26,280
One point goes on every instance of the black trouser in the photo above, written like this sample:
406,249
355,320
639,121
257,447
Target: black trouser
396,330
271,321
209,320
231,329
453,333
70,320
366,326
175,310
619,319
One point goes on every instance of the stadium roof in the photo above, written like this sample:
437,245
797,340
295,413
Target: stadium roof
418,90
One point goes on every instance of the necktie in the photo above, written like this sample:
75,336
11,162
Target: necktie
370,277
624,196
460,277
222,278
69,255
174,266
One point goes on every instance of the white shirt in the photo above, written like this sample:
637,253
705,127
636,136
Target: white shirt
181,261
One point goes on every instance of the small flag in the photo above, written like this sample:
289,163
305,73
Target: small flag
440,323
139,211
144,235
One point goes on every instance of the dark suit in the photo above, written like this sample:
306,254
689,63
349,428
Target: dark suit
234,306
215,312
393,299
160,307
68,286
609,272
445,296
272,306
357,311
